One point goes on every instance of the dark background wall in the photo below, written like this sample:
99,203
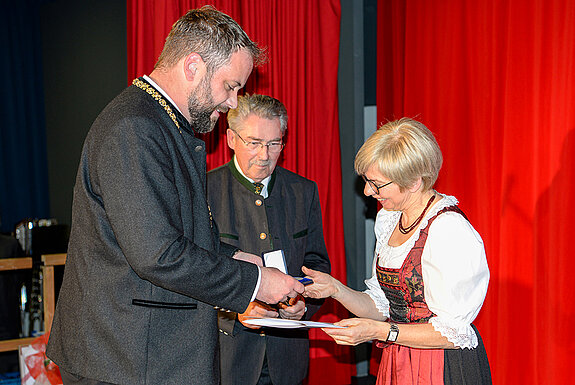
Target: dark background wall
85,66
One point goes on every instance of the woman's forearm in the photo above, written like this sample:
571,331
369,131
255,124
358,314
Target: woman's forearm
422,336
357,302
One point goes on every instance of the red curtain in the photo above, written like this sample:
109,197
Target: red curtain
495,81
302,38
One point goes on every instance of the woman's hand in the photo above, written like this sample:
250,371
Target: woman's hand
358,330
323,286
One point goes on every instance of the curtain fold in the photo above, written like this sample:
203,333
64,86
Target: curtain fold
23,158
302,38
495,81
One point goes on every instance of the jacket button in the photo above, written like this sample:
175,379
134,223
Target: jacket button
199,148
263,236
258,202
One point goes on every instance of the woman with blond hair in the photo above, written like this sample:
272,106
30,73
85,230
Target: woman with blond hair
430,273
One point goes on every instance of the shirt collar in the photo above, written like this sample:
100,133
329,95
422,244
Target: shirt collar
265,181
160,90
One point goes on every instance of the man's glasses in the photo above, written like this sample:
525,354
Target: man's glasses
375,188
273,147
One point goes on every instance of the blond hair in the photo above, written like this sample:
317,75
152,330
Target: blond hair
403,151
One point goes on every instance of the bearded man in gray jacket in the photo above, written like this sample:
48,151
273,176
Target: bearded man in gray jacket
146,272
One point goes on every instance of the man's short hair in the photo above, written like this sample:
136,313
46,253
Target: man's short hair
210,33
261,105
403,151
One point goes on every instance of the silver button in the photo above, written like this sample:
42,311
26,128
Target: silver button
199,148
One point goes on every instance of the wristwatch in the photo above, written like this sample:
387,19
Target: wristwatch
393,333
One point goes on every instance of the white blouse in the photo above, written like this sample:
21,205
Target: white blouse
454,266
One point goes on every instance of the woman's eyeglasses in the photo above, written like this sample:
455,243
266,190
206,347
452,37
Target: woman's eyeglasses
375,188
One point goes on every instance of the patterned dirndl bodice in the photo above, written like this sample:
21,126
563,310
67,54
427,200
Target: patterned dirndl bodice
404,287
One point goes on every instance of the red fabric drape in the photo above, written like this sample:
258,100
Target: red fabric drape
302,38
495,81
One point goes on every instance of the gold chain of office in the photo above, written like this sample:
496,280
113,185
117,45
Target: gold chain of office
156,95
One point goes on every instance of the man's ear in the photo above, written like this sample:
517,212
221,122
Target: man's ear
230,137
193,65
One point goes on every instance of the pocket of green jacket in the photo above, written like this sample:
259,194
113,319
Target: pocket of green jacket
300,234
229,236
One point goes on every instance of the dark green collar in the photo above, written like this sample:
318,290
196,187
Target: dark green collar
246,183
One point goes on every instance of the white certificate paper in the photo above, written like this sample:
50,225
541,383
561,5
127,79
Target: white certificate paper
289,324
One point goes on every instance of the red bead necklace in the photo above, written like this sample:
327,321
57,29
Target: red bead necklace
405,230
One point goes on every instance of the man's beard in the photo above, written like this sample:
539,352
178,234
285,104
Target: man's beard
201,106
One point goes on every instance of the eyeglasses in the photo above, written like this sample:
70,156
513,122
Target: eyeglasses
273,147
375,188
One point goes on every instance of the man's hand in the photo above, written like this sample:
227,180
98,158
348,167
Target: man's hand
276,286
252,258
256,309
295,310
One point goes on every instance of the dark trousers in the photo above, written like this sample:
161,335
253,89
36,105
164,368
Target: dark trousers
265,374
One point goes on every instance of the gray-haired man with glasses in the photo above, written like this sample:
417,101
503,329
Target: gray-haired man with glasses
259,207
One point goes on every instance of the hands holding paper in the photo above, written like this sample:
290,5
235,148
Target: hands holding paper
294,311
355,330
257,309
